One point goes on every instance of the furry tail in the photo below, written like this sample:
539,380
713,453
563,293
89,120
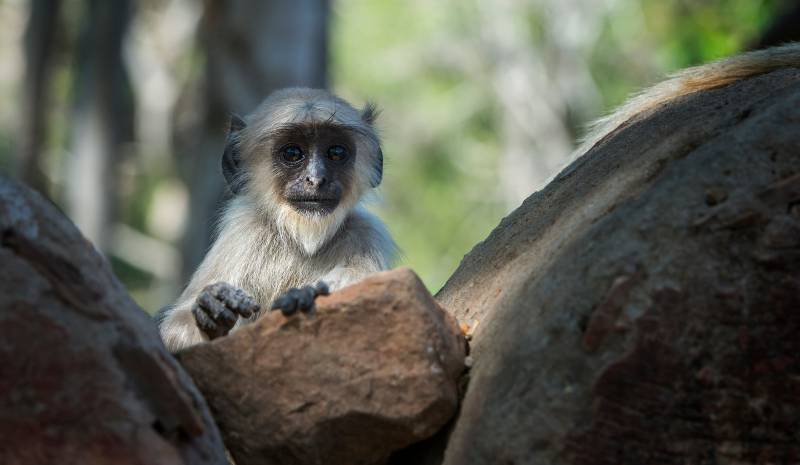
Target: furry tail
704,77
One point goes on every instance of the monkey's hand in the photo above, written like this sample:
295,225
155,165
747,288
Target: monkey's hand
218,307
299,299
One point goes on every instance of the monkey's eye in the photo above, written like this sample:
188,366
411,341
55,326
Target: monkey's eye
337,153
292,153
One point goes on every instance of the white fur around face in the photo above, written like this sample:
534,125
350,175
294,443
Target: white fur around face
309,230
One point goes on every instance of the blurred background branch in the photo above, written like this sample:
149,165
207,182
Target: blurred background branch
249,49
39,43
118,110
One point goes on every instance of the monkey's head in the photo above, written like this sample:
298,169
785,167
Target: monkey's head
306,157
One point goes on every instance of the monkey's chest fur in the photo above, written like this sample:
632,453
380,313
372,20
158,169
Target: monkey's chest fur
258,257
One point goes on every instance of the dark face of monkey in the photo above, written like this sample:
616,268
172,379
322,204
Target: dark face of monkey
313,166
304,150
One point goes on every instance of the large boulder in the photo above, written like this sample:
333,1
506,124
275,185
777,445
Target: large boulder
374,369
84,377
645,306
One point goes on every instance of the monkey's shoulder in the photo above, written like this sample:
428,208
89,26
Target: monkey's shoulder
362,232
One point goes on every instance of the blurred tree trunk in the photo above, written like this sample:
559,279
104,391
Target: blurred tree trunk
784,28
251,48
540,84
39,45
102,118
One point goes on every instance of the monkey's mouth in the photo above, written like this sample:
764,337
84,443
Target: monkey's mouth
318,205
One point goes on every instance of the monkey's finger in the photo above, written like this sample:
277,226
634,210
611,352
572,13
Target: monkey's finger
226,318
236,299
305,299
216,310
287,303
220,290
204,322
242,303
247,309
321,288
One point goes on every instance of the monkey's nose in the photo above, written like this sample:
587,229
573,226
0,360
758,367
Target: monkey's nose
316,181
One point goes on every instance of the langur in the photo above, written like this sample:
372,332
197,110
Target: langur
298,168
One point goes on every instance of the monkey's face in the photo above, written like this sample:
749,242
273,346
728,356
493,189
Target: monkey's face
313,166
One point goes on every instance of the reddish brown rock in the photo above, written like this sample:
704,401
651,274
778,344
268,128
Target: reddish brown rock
373,370
84,378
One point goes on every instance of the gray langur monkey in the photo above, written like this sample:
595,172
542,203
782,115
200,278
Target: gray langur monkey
298,167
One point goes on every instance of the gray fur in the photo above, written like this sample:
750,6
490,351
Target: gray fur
263,246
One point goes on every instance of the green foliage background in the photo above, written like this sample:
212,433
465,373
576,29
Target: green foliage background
441,126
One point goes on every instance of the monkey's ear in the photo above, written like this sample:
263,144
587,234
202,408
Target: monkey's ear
231,158
370,113
237,123
378,168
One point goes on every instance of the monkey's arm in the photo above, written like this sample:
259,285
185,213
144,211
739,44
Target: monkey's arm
212,314
177,326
